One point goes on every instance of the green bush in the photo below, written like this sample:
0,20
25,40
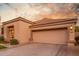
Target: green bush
77,29
2,47
77,40
14,42
1,38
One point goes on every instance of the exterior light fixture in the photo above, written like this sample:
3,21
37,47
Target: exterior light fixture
71,27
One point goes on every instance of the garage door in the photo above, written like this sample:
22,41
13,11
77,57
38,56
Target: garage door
56,36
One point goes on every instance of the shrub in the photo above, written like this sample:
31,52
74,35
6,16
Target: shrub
77,29
2,47
14,42
77,40
1,38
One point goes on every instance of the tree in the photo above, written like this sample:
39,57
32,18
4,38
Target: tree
77,28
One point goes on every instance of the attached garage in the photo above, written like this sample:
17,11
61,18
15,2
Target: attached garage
57,36
53,31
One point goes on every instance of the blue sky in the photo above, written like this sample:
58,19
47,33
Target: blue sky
36,11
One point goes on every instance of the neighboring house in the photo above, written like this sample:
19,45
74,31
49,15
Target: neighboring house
56,31
17,28
0,30
0,26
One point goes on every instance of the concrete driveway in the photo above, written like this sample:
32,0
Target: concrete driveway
37,50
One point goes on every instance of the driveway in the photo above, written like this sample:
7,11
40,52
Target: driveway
38,50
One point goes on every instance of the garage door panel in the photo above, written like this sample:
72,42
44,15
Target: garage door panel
59,36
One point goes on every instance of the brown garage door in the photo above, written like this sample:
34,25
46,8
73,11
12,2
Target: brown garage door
57,36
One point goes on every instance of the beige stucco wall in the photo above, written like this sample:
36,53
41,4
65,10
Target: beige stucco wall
16,27
71,33
24,32
21,31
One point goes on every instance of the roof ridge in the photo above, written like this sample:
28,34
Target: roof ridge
48,20
17,19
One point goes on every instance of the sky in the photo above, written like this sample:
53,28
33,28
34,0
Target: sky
38,11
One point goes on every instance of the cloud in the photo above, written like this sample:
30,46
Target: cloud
37,11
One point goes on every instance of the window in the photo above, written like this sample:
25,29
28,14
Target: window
11,32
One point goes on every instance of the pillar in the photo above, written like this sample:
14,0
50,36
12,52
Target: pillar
71,30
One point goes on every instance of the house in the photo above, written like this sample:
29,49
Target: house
17,28
0,26
55,31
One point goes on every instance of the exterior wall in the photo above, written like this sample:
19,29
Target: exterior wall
21,31
16,30
72,33
24,32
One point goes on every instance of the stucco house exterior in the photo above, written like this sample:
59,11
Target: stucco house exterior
17,28
55,31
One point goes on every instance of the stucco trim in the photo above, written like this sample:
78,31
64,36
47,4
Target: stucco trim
49,29
48,20
17,19
53,22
